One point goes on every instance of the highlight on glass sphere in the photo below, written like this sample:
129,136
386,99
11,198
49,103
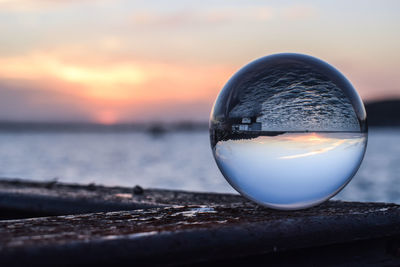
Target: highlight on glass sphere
288,131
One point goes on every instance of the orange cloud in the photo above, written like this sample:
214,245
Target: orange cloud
111,89
100,81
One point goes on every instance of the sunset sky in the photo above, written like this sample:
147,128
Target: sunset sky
112,61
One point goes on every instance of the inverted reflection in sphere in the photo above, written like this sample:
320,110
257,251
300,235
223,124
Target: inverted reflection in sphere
288,131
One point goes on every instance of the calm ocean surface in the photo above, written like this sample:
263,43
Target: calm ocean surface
177,160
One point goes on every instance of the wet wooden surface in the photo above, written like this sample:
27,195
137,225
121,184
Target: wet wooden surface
183,228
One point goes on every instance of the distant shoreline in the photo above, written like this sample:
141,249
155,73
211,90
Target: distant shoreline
384,113
54,127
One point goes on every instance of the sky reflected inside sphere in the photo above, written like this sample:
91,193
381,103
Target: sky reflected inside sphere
293,170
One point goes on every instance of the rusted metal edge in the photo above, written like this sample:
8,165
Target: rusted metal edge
165,243
157,227
53,198
53,205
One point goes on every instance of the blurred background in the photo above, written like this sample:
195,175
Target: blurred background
119,92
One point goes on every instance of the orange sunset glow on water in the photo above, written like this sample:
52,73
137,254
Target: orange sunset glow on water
121,61
303,144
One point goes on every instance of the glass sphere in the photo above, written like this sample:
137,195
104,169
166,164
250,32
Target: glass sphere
288,131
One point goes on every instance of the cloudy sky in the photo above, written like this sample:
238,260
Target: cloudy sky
124,60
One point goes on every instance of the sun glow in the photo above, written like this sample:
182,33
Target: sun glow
106,117
303,144
316,150
311,138
314,144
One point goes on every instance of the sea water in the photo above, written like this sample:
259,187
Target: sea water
291,170
136,158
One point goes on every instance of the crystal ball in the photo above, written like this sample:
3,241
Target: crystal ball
288,131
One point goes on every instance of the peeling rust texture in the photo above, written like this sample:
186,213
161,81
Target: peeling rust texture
191,228
54,198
